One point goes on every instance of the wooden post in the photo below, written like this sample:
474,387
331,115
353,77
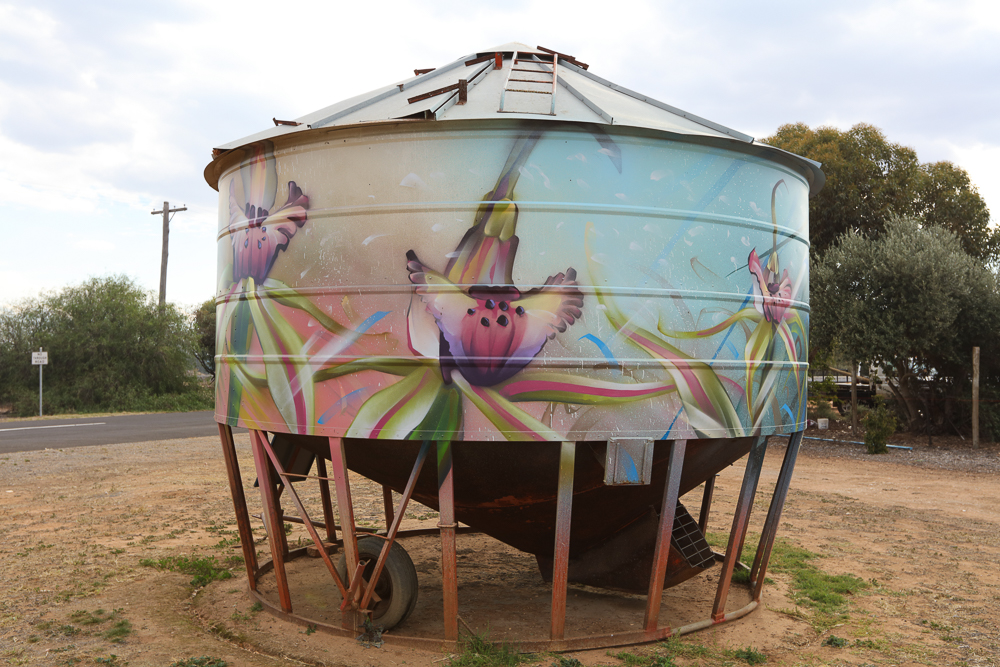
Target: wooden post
854,398
975,398
163,258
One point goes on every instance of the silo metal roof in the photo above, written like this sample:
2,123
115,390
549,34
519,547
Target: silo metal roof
522,87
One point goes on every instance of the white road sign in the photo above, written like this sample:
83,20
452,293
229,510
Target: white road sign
39,358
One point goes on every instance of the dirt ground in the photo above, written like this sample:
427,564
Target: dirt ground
921,526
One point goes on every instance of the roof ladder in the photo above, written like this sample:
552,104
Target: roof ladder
536,74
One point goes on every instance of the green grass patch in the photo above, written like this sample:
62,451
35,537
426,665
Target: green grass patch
205,570
478,651
749,655
676,647
825,594
95,617
111,661
203,661
645,659
117,633
566,661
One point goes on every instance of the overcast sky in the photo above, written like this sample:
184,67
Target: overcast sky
108,108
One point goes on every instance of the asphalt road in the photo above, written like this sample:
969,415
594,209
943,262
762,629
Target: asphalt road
34,435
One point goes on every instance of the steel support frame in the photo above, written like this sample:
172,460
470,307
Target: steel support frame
741,521
770,530
675,464
447,526
239,503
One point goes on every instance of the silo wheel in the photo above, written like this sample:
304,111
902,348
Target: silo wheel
397,585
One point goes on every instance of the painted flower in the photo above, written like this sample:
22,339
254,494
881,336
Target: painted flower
258,234
772,295
490,332
473,333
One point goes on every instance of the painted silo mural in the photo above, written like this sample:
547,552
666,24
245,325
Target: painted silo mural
516,280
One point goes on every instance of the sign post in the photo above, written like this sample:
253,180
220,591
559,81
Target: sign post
39,359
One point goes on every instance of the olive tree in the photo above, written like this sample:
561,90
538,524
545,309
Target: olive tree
913,302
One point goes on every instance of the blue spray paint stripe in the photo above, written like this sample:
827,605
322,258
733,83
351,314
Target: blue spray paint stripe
631,473
733,326
671,427
605,350
343,399
372,319
788,412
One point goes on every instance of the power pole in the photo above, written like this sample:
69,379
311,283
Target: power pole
975,398
166,236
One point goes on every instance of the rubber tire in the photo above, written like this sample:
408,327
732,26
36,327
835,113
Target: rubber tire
397,585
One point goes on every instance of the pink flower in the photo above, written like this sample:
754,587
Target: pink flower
257,233
772,297
491,330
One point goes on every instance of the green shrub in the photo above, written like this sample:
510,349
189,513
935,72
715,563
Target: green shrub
822,397
112,348
879,424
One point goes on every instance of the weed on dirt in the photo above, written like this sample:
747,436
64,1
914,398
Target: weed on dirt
204,569
630,659
478,651
203,661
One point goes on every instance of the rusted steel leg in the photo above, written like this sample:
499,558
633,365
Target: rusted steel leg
239,503
305,517
564,515
393,529
753,494
343,488
770,530
275,527
387,504
740,522
446,522
706,504
324,494
671,491
279,487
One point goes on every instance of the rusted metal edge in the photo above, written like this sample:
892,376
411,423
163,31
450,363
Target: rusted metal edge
310,527
273,524
671,495
610,640
560,560
239,502
741,521
395,90
433,93
564,56
393,529
447,525
471,82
